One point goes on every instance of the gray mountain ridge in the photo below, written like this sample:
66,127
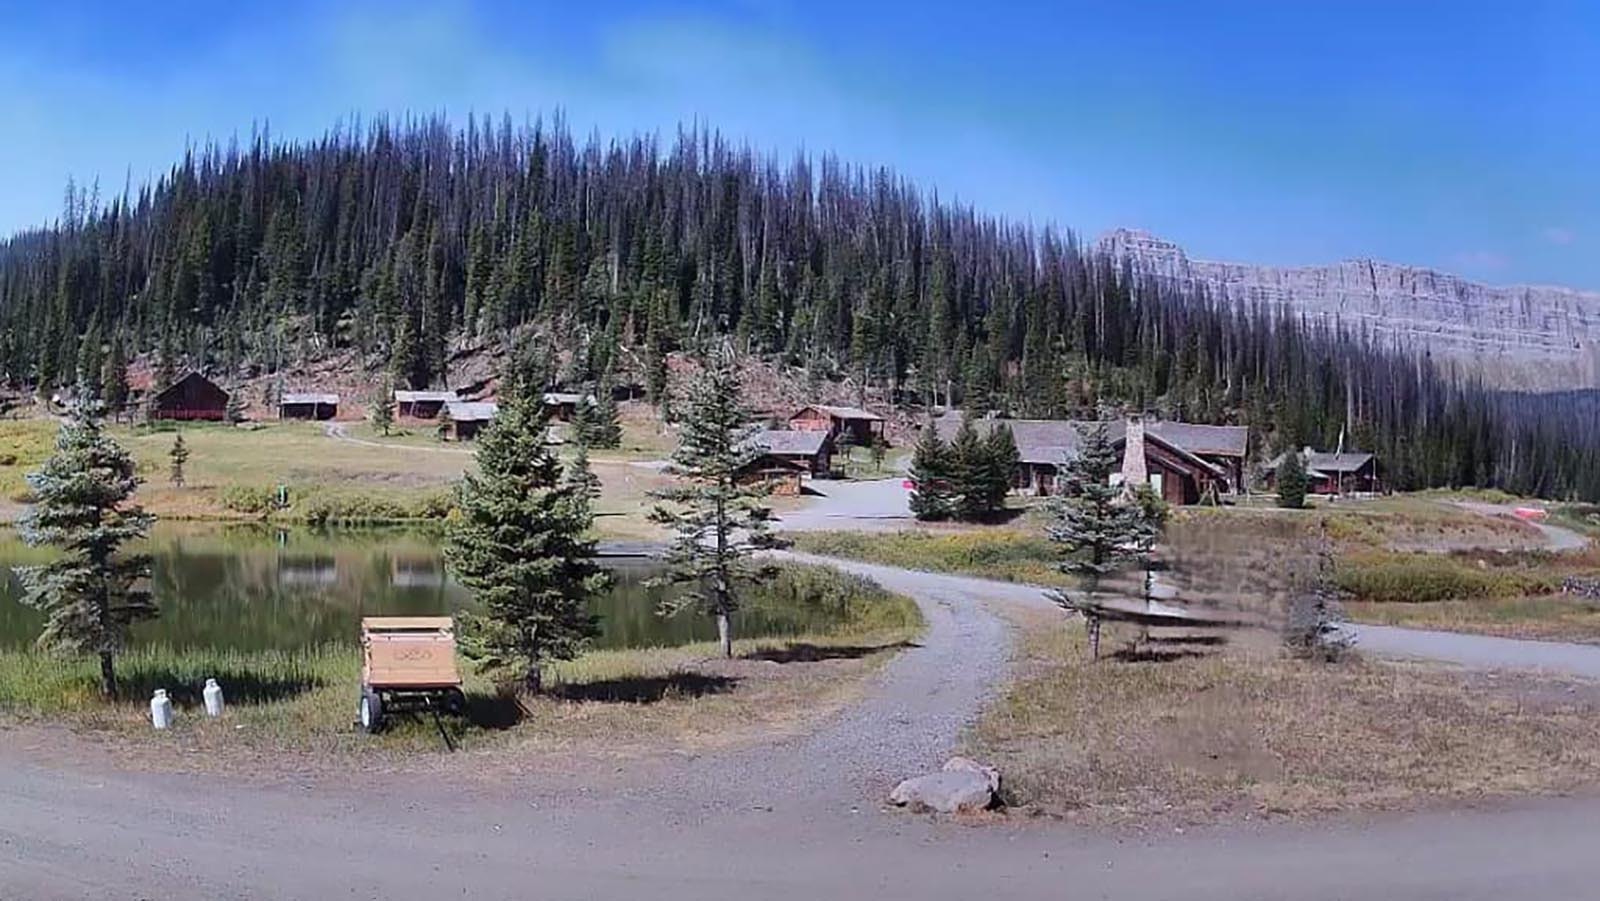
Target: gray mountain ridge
1523,337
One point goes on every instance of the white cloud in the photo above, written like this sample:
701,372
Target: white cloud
1559,235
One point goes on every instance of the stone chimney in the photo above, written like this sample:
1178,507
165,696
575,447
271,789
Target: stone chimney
1134,470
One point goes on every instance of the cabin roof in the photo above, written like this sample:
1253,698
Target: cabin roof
472,411
790,443
1337,463
189,377
331,400
426,397
1051,441
564,397
840,412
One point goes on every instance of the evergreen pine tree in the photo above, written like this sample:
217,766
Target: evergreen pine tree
179,454
1291,479
607,421
582,427
1001,459
517,543
92,593
235,411
931,495
114,379
1099,529
380,409
581,475
442,424
718,520
968,467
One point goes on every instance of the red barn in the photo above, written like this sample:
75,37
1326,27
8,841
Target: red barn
193,397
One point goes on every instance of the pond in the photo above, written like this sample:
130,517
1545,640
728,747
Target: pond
254,588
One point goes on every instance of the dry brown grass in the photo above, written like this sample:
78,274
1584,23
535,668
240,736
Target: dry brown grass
1243,732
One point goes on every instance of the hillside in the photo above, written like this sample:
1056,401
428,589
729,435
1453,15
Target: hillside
391,250
1525,337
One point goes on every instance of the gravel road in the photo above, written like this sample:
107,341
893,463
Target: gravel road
1556,538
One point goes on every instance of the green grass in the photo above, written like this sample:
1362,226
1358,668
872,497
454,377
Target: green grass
305,700
1583,518
1006,554
24,444
1424,578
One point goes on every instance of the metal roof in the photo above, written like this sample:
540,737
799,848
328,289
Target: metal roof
782,443
561,397
1337,463
1051,441
840,412
426,397
472,411
331,400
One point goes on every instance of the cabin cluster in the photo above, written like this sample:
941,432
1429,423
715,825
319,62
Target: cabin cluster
1182,462
1331,474
805,449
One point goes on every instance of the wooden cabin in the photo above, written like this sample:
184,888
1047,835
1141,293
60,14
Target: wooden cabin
845,425
812,451
1180,473
191,398
561,406
308,406
1331,474
421,404
467,419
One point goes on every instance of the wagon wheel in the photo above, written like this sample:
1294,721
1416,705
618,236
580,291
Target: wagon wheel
455,702
369,711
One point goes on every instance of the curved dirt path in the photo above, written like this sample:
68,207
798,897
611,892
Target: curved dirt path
794,819
1556,538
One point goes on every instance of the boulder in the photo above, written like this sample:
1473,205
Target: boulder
967,764
947,791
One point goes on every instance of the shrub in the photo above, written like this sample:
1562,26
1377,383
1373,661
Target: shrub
254,499
1422,578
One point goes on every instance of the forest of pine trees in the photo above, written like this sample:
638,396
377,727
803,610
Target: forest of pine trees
393,239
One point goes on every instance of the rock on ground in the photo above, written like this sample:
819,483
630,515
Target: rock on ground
963,786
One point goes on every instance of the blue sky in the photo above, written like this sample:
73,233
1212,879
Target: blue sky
1454,135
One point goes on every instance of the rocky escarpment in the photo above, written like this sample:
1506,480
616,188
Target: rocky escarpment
1524,337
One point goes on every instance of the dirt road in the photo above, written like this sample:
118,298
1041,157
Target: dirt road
1556,538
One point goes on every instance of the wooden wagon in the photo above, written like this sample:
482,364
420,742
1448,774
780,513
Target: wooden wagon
408,664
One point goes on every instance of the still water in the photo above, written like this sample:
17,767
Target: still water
249,588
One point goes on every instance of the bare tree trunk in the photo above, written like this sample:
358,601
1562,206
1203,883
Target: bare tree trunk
724,635
108,676
533,679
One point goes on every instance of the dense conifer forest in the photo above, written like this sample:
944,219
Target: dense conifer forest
394,239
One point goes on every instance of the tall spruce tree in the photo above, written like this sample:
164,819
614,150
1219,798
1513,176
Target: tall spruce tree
380,408
718,519
1291,478
607,430
114,380
932,498
92,593
178,455
1001,459
969,473
1100,527
517,543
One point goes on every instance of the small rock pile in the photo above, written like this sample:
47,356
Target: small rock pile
961,786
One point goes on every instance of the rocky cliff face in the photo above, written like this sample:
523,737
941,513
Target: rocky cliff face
1523,337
